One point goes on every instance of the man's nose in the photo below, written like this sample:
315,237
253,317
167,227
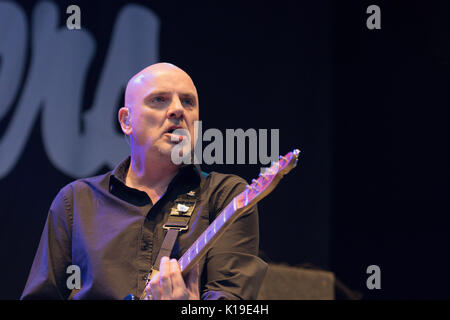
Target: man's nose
176,109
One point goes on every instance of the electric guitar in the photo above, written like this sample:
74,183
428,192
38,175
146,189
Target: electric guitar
257,190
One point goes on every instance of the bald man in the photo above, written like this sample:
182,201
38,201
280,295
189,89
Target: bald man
103,234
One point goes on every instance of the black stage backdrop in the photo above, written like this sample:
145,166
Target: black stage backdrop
368,109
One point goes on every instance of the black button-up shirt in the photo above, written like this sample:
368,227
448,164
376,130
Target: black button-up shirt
113,234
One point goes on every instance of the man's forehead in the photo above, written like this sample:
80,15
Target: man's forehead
164,81
160,77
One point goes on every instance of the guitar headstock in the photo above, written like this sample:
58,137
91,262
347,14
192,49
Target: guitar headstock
268,180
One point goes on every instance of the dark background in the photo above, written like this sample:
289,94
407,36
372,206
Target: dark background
368,109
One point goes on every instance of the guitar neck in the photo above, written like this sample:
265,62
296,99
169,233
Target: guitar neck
204,242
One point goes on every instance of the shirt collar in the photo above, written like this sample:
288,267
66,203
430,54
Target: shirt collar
187,173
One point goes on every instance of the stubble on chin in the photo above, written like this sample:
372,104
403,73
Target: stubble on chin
164,151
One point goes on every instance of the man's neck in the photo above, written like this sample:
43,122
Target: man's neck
151,174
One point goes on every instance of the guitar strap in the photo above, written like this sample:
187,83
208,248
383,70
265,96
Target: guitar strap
179,217
178,221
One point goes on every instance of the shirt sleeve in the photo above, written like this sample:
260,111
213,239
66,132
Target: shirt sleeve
233,268
47,278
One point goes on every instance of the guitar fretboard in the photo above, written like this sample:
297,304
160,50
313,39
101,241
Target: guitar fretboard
214,229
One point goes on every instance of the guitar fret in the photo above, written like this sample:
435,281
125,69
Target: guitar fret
181,263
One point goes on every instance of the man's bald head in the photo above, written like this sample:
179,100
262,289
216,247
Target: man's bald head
146,78
158,98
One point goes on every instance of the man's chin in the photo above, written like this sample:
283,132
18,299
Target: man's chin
174,152
165,149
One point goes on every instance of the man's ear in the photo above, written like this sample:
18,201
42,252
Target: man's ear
125,120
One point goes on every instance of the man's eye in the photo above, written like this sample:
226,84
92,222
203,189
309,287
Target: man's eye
158,99
188,101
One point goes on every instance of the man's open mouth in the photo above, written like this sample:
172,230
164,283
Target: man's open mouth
173,128
179,135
